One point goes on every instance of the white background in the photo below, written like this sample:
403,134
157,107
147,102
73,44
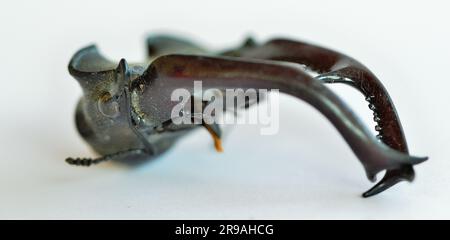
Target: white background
305,171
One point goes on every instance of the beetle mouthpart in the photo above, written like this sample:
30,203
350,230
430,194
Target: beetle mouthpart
392,177
394,174
216,133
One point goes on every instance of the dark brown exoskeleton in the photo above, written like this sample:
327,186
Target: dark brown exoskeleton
125,112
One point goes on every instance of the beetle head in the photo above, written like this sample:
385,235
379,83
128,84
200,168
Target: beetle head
102,114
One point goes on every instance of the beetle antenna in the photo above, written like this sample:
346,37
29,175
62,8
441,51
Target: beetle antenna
86,162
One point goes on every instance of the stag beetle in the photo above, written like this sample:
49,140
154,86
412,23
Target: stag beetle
125,109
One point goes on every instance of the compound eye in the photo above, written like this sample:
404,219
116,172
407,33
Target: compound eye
108,106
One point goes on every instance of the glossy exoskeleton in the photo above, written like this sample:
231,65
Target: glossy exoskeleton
125,109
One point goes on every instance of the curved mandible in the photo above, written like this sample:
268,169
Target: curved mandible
334,67
171,72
